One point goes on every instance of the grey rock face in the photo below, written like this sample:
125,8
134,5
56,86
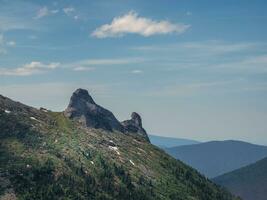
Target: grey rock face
134,125
83,109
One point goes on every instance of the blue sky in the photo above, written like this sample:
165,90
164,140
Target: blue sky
192,69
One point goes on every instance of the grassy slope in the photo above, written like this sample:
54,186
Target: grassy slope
51,157
248,182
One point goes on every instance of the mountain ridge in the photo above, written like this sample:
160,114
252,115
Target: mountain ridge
46,155
215,158
167,142
248,182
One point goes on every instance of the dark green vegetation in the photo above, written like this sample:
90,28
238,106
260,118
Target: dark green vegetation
46,156
248,182
218,157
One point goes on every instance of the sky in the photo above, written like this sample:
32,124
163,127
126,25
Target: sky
192,69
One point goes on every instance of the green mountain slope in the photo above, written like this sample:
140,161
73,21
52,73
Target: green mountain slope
249,182
45,155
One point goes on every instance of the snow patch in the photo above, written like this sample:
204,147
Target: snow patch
7,111
116,149
132,162
33,118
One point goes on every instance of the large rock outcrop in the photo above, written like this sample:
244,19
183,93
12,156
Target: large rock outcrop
83,109
134,125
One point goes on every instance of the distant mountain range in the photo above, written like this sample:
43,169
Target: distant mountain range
218,157
166,142
249,182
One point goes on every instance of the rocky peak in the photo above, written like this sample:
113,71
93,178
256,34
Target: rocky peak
134,125
83,108
136,118
82,95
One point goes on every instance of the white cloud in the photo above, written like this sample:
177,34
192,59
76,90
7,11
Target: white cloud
113,61
188,13
17,15
14,23
4,44
32,37
219,47
137,71
253,64
68,10
11,43
83,69
132,23
54,11
203,48
44,11
28,69
71,12
1,39
2,50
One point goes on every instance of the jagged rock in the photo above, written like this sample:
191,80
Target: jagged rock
83,109
134,125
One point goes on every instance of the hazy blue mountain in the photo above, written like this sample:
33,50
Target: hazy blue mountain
218,157
165,142
249,182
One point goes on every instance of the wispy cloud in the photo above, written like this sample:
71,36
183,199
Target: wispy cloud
4,44
114,61
83,69
253,64
29,69
188,13
35,67
191,88
209,47
68,10
71,12
137,71
11,43
133,23
91,64
2,49
14,23
218,47
44,11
